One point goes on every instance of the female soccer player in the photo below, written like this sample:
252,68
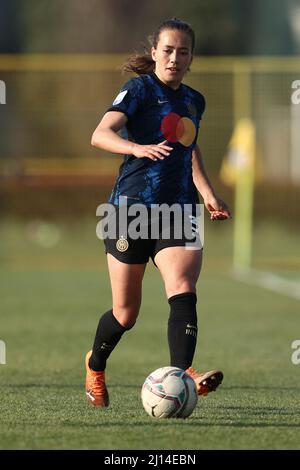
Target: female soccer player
162,165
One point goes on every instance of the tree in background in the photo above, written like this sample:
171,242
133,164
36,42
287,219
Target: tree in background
223,27
235,27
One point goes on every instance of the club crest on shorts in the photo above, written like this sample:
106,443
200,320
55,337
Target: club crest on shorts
122,244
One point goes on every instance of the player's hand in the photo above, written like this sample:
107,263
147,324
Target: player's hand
152,151
217,208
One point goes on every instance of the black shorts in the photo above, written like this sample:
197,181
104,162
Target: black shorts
161,233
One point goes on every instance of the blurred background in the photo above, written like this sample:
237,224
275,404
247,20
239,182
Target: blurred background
59,71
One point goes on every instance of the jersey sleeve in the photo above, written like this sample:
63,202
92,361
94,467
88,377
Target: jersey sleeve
200,105
130,97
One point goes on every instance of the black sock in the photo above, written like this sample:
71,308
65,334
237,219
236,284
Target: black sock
182,329
109,333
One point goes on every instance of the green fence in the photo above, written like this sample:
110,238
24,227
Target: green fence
54,102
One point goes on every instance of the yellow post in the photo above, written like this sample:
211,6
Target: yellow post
245,180
244,194
238,169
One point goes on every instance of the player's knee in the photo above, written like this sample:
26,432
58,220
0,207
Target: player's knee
127,322
126,316
128,305
180,286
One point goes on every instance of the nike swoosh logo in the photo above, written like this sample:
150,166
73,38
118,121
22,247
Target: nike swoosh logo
191,326
162,101
131,197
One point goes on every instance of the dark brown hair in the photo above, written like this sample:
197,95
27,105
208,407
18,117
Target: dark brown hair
143,63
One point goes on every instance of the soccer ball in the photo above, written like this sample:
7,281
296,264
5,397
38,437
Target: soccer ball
169,392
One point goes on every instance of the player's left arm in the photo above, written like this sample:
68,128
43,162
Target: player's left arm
216,206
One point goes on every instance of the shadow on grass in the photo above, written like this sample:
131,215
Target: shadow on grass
63,385
254,387
196,422
77,385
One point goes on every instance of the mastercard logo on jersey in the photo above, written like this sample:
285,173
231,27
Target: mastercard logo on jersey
176,128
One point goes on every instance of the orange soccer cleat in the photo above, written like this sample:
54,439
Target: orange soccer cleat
96,391
206,381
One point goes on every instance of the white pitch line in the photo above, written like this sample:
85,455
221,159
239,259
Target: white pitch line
268,281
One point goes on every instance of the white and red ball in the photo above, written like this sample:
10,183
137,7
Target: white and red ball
169,392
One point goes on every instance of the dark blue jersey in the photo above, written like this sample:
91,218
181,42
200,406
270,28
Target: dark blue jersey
155,113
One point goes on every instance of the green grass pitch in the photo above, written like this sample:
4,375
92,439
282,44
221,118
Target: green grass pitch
51,299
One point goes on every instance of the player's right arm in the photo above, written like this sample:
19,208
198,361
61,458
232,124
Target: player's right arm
106,137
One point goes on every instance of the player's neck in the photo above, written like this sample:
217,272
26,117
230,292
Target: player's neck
174,85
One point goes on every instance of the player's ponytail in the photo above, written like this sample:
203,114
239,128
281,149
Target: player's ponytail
139,63
143,63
